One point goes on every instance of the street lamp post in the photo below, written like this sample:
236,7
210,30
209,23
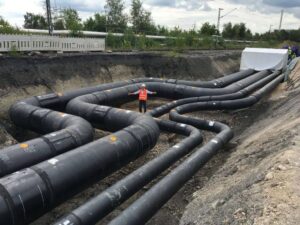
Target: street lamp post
219,19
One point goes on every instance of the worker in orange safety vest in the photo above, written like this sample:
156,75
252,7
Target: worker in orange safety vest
143,97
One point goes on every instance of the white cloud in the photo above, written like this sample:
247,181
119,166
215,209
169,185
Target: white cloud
257,14
271,6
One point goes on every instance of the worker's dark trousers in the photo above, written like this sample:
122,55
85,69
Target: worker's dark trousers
143,105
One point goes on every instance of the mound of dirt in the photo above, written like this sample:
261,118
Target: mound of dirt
259,183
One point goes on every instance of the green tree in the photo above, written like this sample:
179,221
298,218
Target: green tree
176,31
58,24
228,31
256,36
161,30
34,21
68,20
6,28
239,31
208,30
71,19
236,31
249,34
95,23
141,19
116,19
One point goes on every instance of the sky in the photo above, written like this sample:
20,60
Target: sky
259,15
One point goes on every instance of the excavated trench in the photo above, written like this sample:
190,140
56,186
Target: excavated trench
171,212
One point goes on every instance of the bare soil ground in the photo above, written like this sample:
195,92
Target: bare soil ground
259,183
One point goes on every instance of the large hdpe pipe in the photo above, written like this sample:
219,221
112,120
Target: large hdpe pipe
61,99
101,205
45,181
161,110
98,207
70,131
28,114
42,186
149,203
87,106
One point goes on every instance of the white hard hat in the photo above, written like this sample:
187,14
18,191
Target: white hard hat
143,85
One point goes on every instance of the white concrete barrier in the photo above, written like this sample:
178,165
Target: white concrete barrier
49,43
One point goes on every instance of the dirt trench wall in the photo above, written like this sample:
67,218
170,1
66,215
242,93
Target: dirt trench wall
22,77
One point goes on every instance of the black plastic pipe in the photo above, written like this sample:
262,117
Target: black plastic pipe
161,110
72,131
216,83
149,203
68,132
51,181
101,205
61,99
29,193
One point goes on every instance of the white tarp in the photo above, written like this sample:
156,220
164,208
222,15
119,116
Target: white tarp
264,58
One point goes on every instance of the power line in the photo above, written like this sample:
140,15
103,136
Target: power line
220,17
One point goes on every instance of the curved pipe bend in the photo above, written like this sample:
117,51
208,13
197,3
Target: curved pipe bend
148,204
58,178
161,110
30,114
100,206
51,180
64,132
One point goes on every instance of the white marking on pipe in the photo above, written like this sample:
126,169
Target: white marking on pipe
53,134
215,84
53,161
214,141
214,103
128,111
177,146
24,210
182,125
67,222
211,123
63,115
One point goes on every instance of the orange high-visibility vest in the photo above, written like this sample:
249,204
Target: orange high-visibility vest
143,96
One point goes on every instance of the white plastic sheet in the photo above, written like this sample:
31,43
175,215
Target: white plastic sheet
264,58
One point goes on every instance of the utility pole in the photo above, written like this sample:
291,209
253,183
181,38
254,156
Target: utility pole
219,19
49,17
281,18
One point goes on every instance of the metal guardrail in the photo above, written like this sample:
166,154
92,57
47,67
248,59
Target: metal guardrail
49,43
